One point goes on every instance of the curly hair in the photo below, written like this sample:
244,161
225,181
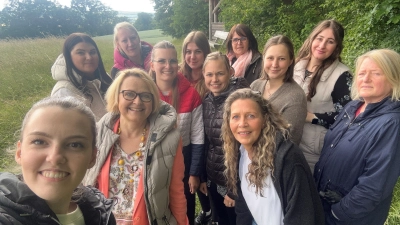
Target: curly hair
305,51
262,162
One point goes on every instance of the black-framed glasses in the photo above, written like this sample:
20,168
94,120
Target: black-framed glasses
131,95
241,39
171,62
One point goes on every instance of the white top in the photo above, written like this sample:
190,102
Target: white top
267,209
72,218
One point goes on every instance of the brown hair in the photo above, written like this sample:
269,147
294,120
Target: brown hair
305,51
280,40
200,39
243,31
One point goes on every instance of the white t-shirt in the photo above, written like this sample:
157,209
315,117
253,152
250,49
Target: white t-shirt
266,209
72,218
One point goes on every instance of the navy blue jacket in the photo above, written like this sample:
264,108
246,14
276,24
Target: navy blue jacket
361,161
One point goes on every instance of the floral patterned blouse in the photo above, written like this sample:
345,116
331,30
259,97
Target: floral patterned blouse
340,97
124,183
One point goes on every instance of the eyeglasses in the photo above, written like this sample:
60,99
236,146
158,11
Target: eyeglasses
131,95
171,62
241,39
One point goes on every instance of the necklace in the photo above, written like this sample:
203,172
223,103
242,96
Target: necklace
137,155
268,89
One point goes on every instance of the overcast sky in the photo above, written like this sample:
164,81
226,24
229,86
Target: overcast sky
118,5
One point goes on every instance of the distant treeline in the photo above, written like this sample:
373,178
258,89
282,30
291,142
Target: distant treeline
40,18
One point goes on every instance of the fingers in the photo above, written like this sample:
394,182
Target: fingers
229,202
203,188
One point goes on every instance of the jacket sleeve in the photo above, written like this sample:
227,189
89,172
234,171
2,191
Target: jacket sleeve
295,114
302,206
381,172
340,97
9,216
177,198
197,139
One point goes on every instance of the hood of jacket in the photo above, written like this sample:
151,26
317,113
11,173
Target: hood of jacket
59,70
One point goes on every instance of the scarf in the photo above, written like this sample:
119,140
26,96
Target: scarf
241,63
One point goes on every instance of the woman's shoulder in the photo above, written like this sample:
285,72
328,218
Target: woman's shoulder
258,85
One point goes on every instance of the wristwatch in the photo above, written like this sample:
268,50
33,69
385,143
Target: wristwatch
314,120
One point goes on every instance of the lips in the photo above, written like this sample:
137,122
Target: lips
136,109
54,174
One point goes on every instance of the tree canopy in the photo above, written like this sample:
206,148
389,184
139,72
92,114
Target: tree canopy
39,18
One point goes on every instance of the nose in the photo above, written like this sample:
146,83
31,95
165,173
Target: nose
55,156
322,44
275,63
367,77
243,122
214,78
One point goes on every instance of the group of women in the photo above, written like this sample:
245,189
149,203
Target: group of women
261,138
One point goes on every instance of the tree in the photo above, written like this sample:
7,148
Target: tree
144,21
178,17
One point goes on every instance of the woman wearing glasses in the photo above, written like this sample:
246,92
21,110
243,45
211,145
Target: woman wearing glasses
140,161
175,89
243,53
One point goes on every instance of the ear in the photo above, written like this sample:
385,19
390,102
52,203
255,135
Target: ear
93,160
232,71
18,153
152,66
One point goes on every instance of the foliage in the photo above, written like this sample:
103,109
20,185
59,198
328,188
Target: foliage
178,17
144,21
39,18
369,24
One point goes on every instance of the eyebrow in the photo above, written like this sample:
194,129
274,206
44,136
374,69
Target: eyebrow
39,133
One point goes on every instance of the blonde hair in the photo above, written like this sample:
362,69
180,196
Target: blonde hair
175,92
200,39
217,56
123,25
114,90
263,148
389,62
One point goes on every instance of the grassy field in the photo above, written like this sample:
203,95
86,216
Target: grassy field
25,78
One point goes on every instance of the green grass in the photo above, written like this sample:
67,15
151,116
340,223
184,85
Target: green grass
25,78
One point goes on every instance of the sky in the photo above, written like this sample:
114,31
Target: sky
118,5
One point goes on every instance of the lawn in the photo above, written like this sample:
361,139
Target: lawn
25,78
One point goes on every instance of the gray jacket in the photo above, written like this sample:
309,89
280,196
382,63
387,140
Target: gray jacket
64,87
159,157
313,135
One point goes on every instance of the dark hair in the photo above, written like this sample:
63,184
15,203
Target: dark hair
305,51
281,40
243,31
101,74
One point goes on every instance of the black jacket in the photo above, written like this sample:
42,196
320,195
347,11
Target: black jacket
20,206
253,70
212,118
295,186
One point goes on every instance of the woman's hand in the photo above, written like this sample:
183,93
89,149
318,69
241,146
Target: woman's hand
310,117
194,182
229,202
203,188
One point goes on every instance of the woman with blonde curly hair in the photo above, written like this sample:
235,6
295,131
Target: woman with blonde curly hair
263,167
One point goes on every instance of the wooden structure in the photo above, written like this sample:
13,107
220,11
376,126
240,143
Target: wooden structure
214,23
218,39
